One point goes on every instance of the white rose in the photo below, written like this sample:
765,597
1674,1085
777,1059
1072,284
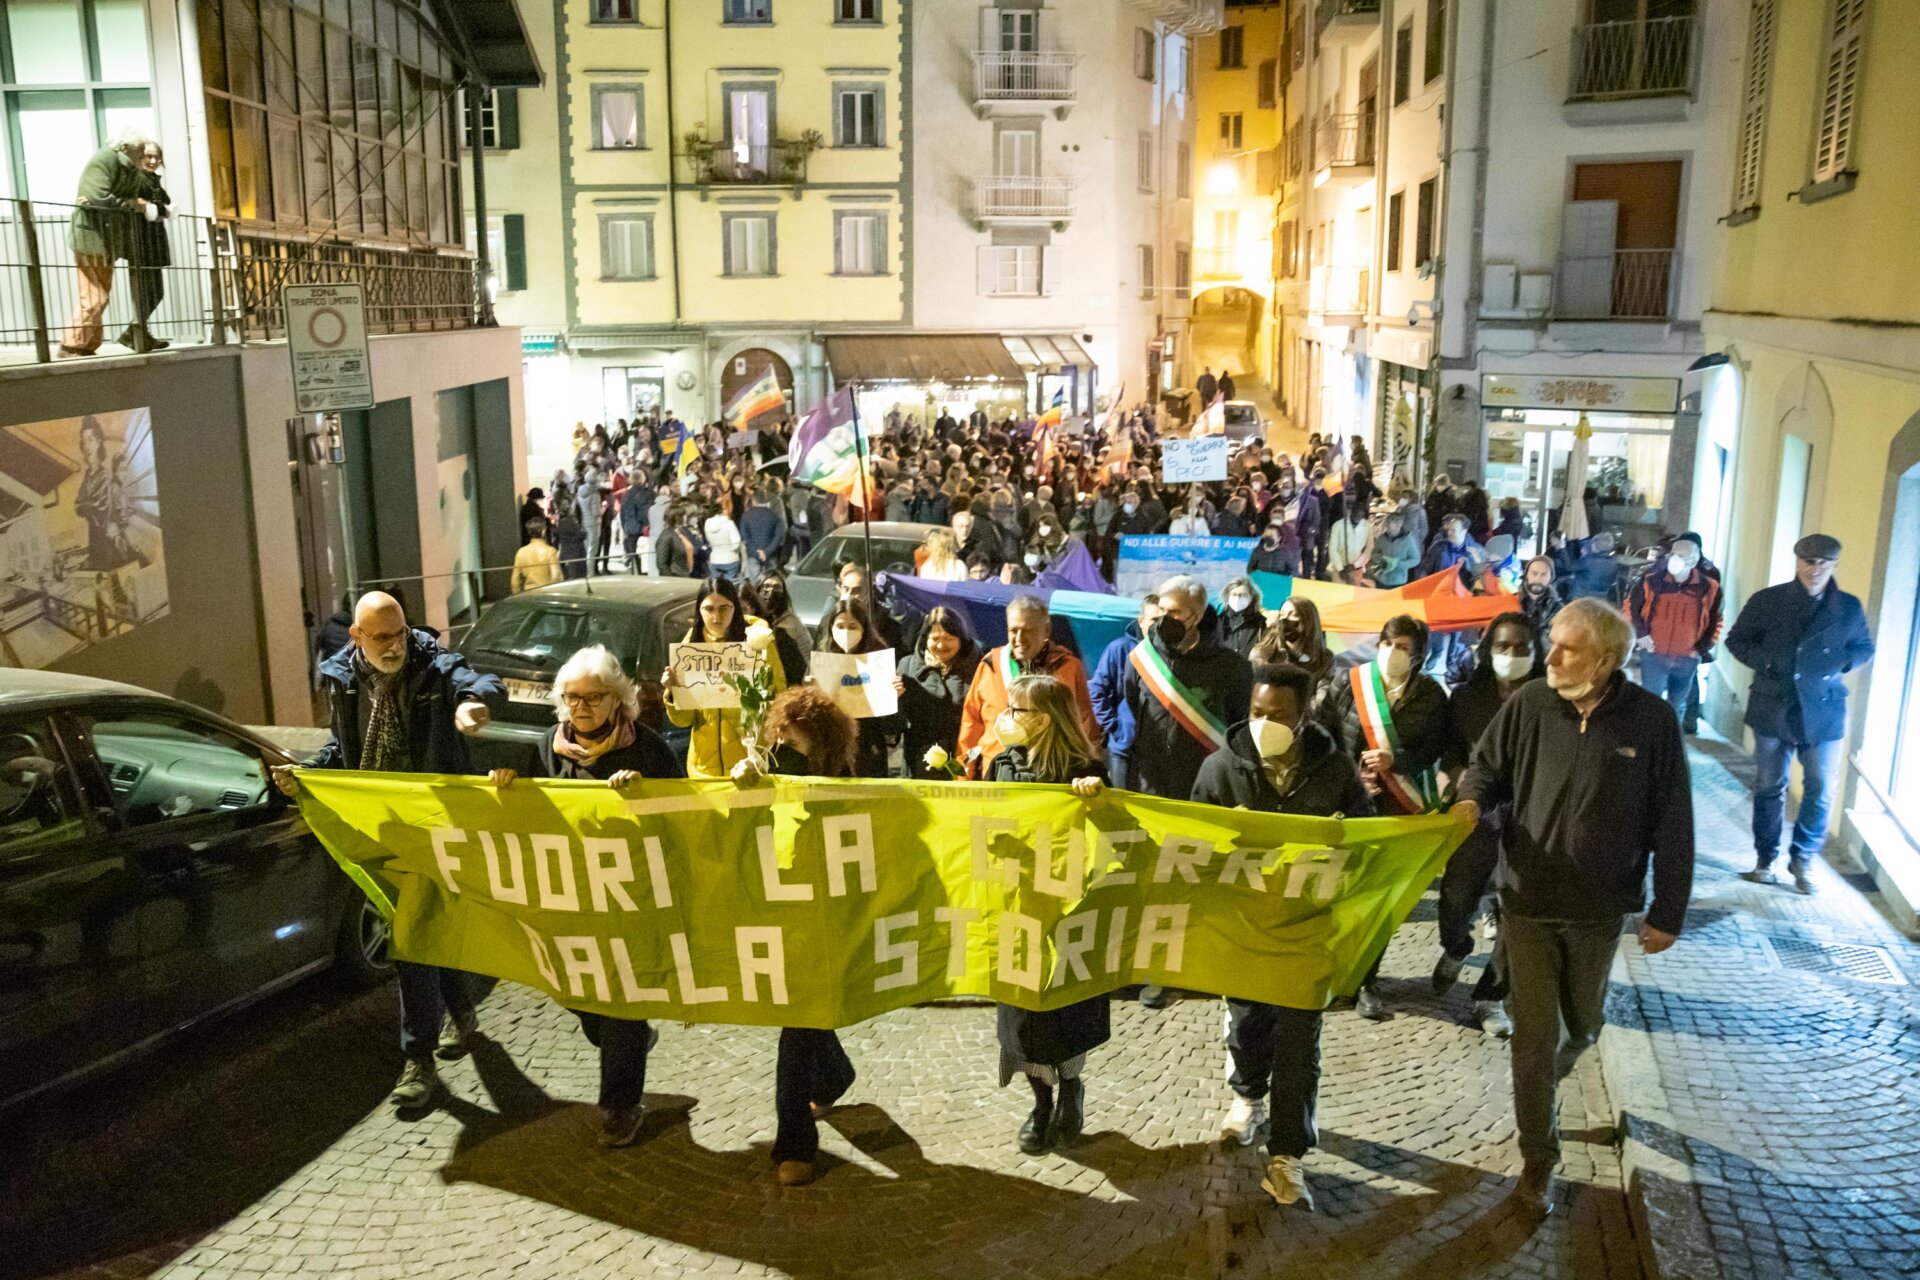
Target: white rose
937,757
759,637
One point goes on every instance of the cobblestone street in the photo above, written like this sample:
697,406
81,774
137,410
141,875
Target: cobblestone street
264,1145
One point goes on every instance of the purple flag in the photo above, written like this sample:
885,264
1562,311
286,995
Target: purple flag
833,412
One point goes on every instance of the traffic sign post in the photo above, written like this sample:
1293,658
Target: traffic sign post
327,338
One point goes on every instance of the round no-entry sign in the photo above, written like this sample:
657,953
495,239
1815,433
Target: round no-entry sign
326,326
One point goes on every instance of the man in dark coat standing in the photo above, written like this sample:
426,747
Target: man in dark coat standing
401,704
1801,638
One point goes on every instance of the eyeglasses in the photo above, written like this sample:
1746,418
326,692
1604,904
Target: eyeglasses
584,699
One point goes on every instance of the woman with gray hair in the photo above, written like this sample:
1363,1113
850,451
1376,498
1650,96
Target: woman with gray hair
599,736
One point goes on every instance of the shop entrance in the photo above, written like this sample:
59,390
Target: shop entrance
1527,451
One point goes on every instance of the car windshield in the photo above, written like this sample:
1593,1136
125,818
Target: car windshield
543,635
1242,413
848,545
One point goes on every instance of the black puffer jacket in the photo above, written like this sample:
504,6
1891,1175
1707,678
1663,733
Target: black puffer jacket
930,708
1325,783
1420,721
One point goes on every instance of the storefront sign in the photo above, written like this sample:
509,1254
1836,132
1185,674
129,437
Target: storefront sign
1579,391
327,338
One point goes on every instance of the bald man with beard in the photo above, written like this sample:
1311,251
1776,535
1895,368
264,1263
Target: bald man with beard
402,704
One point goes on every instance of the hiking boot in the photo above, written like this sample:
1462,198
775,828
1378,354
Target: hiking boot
418,1080
1802,883
1370,1006
1245,1118
1493,1019
456,1034
1446,971
620,1126
1286,1182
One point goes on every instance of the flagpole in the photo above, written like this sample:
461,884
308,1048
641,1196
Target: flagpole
866,499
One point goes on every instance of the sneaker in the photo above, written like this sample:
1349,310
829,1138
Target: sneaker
620,1126
456,1034
1802,883
1761,874
1370,1006
1286,1182
1245,1118
418,1080
1493,1018
1152,997
1536,1193
1446,971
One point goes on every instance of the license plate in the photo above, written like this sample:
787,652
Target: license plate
529,691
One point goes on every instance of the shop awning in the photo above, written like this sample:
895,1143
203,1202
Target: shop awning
921,357
1046,351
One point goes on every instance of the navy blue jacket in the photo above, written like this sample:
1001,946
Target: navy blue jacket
1164,758
439,680
1115,717
762,532
1798,693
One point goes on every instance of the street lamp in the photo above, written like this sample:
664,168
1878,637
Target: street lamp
1223,179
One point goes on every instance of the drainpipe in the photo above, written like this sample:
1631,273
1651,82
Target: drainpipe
473,91
673,195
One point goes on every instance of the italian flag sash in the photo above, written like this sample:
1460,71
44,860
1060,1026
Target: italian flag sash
1188,711
1009,669
1413,795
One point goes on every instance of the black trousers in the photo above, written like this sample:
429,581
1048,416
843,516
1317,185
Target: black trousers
149,288
1276,1051
1462,887
429,993
623,1045
812,1067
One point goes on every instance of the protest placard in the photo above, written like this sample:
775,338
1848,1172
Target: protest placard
703,673
1202,458
860,684
1146,561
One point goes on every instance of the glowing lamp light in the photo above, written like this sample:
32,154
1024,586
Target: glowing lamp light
1223,179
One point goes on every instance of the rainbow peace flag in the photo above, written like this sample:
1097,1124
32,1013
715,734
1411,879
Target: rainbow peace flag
827,452
758,398
1439,600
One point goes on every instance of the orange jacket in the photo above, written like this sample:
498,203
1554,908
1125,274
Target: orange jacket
987,698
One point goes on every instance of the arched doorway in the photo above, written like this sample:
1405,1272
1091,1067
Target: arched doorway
743,368
1223,332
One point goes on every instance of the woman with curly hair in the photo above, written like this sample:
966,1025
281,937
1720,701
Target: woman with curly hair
807,736
1045,742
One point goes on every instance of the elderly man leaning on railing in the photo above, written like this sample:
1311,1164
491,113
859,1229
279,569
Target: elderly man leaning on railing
119,195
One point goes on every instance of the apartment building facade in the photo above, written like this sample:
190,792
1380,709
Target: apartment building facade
168,514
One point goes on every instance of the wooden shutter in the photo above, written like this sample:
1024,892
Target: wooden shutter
1051,260
1753,106
514,226
1840,89
1269,82
506,118
986,270
1588,230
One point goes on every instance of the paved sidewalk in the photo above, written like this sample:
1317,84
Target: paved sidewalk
1768,1069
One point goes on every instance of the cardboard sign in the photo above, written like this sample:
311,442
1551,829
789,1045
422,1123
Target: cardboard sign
860,684
703,673
1199,459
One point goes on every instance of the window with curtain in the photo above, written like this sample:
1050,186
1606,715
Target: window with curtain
749,244
617,122
860,243
856,116
626,246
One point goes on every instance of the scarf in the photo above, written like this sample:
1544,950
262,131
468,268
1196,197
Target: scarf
582,752
385,750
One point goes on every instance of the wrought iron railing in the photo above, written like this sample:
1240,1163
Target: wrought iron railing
782,162
1627,284
1354,10
1023,77
198,281
1343,141
1646,58
1036,199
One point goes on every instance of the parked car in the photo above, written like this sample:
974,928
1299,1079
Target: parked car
524,639
813,583
150,878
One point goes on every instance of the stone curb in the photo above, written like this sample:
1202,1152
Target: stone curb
1656,1168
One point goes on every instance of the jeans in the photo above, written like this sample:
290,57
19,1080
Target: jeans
630,545
1818,763
811,1067
1276,1048
623,1045
1671,678
427,994
1462,888
1558,974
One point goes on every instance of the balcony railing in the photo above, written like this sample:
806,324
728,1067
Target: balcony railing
1296,149
202,282
1628,284
1342,16
1343,141
1023,77
1640,59
1338,294
998,199
782,162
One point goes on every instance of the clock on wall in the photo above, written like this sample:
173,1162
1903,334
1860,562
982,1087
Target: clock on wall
684,380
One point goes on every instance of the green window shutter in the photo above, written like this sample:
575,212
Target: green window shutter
506,118
516,264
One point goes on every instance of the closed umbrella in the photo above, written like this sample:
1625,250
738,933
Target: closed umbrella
1573,506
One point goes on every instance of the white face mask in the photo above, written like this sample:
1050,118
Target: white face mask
847,637
1009,729
1511,666
1033,560
1571,692
1270,738
1394,664
1239,601
1679,567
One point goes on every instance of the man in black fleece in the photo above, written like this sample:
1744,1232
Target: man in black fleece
1278,761
1595,771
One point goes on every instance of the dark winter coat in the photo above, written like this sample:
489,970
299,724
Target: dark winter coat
763,531
1104,687
1800,648
930,708
1165,758
1325,783
438,681
103,224
1419,721
1591,802
1241,631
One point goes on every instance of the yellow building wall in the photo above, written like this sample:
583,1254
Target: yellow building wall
1852,255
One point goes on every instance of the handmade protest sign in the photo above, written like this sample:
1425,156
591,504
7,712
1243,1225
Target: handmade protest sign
807,902
1202,458
860,684
703,673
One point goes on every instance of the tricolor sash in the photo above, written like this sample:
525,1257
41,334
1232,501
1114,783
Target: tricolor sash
1415,794
1187,710
1009,669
